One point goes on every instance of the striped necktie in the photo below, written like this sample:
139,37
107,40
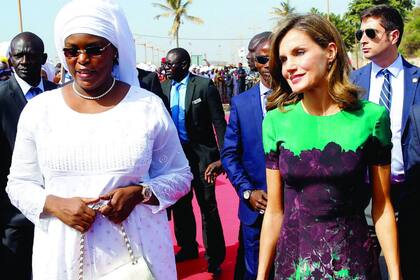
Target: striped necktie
385,97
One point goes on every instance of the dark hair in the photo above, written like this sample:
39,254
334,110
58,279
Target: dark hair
390,18
258,39
322,32
182,53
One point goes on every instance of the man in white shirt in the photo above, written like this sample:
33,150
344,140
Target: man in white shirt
392,82
26,57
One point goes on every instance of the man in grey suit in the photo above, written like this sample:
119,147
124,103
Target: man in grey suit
26,57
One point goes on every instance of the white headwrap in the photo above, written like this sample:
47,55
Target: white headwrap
102,18
49,69
5,48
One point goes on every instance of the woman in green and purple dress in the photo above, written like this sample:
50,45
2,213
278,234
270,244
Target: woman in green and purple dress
320,142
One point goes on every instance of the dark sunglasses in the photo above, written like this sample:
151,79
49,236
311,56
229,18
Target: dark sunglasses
262,59
370,33
90,51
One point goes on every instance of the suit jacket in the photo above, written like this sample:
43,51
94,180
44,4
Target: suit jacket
12,101
413,165
412,197
150,81
243,153
361,77
203,111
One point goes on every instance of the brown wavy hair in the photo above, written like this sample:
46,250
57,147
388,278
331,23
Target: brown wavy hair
322,32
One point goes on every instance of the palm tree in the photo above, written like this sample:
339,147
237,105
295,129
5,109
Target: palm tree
285,10
178,10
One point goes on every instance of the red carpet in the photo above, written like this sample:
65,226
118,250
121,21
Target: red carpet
228,209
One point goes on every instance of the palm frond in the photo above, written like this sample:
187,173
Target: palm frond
163,15
194,19
186,4
178,9
284,10
162,6
175,4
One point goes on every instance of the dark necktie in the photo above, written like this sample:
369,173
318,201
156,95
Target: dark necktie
386,92
34,91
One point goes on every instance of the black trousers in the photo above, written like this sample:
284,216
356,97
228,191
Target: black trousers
408,234
16,252
184,220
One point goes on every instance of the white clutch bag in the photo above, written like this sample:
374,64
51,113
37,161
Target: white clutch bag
136,269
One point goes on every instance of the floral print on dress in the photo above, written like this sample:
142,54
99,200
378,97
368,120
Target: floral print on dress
324,233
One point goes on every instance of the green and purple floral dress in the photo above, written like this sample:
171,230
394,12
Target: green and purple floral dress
323,162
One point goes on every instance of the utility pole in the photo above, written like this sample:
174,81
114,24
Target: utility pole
328,9
20,17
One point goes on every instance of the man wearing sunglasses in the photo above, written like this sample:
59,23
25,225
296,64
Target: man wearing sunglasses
244,161
392,82
26,57
196,109
250,57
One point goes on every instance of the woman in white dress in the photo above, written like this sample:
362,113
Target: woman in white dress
103,139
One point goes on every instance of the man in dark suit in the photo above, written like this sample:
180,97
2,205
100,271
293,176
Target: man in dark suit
196,108
26,57
150,81
391,81
410,203
244,161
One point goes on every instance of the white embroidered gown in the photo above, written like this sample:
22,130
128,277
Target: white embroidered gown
62,152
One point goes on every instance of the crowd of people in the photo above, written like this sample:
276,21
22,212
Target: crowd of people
230,80
325,160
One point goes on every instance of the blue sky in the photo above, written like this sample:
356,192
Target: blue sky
230,19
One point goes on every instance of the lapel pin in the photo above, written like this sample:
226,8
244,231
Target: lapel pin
415,80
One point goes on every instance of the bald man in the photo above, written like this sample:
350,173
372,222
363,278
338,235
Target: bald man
26,57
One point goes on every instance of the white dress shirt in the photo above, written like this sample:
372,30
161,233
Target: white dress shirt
263,91
397,91
25,87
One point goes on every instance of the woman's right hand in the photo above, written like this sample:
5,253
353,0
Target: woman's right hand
73,211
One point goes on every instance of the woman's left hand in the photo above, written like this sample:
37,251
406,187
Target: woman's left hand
121,202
